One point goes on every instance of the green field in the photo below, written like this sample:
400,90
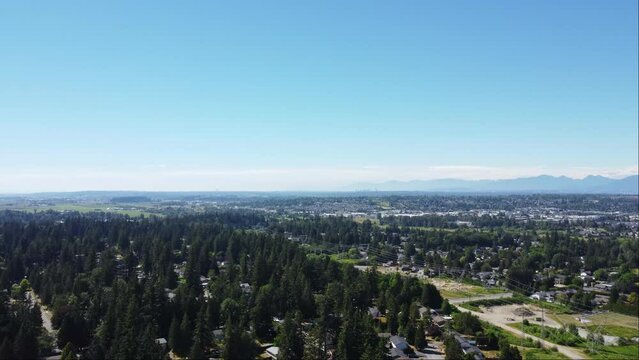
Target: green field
454,289
605,319
540,354
133,211
476,305
615,330
616,352
343,260
528,348
601,352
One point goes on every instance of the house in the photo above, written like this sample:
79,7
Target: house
560,279
547,296
603,286
398,354
399,347
469,348
440,320
374,312
169,294
272,352
433,330
246,288
218,334
162,342
398,342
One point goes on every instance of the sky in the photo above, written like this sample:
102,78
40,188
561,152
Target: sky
313,95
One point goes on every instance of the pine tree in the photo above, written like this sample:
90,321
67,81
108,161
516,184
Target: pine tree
201,336
6,349
290,339
67,352
25,345
262,318
186,332
196,350
420,338
453,349
174,335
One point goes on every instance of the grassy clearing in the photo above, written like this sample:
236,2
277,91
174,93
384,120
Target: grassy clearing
605,319
476,305
616,352
339,259
540,354
87,208
452,289
615,330
564,338
471,306
556,336
529,348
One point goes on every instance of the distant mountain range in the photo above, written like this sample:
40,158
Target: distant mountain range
538,184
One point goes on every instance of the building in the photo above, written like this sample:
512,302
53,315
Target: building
273,352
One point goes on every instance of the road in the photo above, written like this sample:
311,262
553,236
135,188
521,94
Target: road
571,353
481,297
46,314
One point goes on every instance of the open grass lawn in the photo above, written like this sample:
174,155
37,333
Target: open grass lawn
616,352
345,260
476,305
602,352
615,330
556,336
86,208
528,348
540,354
606,319
453,289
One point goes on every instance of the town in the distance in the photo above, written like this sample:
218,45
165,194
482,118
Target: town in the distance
352,275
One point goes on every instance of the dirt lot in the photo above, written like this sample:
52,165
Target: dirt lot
450,289
505,314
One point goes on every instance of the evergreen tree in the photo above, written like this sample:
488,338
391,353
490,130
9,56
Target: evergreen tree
290,339
185,335
262,318
67,352
6,349
174,341
420,338
25,345
453,349
201,336
431,296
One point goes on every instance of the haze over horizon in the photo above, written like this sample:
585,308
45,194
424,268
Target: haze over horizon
313,96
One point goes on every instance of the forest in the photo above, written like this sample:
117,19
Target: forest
206,284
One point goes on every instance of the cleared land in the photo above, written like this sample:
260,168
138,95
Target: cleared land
607,318
540,354
451,289
133,211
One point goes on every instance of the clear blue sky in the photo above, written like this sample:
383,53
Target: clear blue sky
167,95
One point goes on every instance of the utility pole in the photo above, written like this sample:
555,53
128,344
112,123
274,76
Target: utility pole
543,319
523,328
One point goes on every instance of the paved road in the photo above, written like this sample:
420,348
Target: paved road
481,297
571,353
46,314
